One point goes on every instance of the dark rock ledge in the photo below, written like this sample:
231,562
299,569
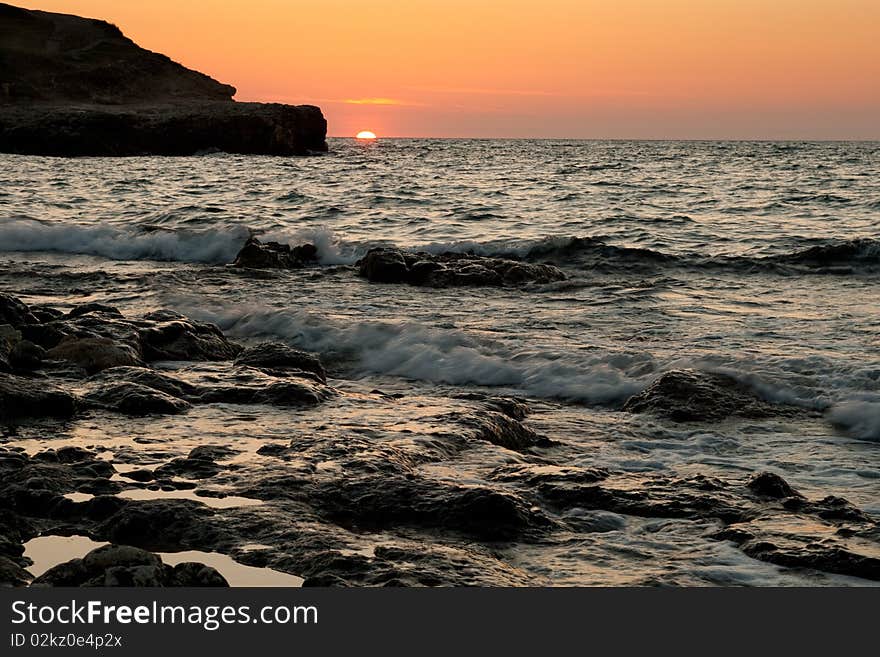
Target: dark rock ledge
95,358
74,86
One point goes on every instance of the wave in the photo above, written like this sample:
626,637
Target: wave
212,246
858,418
444,356
830,257
220,244
414,351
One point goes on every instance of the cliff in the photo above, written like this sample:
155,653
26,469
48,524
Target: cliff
77,86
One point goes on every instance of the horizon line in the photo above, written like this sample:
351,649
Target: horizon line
657,139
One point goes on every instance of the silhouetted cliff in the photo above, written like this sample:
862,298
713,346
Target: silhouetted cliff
78,86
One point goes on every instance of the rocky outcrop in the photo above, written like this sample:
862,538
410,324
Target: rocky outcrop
382,265
695,396
110,353
75,86
24,397
122,565
273,255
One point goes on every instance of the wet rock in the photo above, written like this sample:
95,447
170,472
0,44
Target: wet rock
390,502
534,476
139,475
384,265
279,356
94,354
693,396
195,574
768,484
45,336
8,338
171,336
14,311
135,399
143,376
830,507
122,565
407,564
25,355
504,431
273,255
12,574
198,465
162,525
697,497
246,385
21,397
46,313
87,308
512,407
795,552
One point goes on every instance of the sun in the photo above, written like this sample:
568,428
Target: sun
366,134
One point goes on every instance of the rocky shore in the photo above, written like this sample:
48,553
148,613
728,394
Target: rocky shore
72,86
338,502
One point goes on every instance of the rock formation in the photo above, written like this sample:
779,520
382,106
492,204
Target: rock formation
75,86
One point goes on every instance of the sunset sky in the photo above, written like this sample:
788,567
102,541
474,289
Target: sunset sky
534,68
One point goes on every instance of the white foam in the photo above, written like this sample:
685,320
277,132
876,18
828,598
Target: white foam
859,418
448,356
214,246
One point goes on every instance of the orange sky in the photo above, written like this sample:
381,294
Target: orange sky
534,68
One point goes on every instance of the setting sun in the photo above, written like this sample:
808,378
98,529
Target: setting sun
366,134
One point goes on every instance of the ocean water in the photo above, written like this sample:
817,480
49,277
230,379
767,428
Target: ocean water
759,260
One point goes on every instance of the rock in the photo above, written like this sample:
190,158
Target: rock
168,384
389,502
121,565
195,574
278,356
192,467
89,90
502,430
94,354
135,399
12,574
9,337
795,552
693,396
25,355
384,265
768,484
512,407
167,525
21,397
87,308
246,385
171,336
272,255
14,311
105,557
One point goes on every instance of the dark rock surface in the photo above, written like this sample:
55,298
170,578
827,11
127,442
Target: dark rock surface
99,342
346,487
273,255
135,399
694,396
23,397
122,565
276,356
382,265
76,86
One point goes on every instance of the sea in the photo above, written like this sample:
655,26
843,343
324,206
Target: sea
759,260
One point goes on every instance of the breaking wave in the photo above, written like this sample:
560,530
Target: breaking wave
220,243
